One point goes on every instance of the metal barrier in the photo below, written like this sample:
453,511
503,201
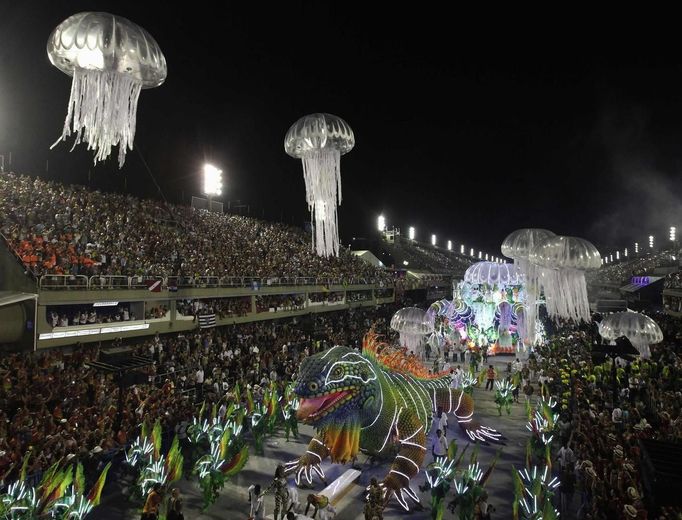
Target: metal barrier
108,282
63,281
146,282
99,282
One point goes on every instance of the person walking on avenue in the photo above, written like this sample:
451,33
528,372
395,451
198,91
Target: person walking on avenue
374,508
490,383
440,446
175,506
151,505
280,489
257,508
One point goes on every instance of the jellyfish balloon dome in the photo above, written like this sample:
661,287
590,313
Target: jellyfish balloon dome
111,60
320,140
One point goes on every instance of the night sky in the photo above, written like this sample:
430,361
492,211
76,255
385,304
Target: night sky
463,128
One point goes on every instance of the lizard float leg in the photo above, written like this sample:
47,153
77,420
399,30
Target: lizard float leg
310,462
461,405
408,429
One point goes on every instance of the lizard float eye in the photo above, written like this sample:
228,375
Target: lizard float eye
313,386
338,372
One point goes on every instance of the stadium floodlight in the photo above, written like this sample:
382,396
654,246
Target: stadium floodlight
381,223
461,249
651,241
673,231
213,180
433,240
449,245
636,247
411,233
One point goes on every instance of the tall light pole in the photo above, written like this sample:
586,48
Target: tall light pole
213,182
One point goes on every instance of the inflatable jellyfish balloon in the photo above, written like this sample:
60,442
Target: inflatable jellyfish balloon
320,140
640,329
518,245
110,59
564,261
413,324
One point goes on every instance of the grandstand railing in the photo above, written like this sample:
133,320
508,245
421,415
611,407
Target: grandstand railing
100,282
64,281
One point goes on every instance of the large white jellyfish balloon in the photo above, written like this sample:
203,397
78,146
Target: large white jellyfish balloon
640,329
413,324
518,246
320,140
111,59
564,261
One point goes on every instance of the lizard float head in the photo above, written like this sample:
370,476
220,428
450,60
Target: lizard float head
334,385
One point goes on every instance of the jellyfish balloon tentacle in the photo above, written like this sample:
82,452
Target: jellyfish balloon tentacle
111,59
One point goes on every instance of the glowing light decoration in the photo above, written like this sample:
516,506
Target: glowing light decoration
533,491
461,249
673,231
381,223
651,241
625,253
640,329
411,233
111,60
636,248
320,140
433,240
449,245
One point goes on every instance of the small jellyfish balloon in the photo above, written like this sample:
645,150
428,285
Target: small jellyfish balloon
640,329
413,324
111,59
320,140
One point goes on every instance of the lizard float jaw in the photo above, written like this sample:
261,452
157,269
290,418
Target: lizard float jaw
312,409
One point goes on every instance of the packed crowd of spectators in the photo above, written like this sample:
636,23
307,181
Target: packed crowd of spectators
280,302
222,307
604,464
358,296
63,229
87,314
54,406
156,312
325,297
620,272
426,258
